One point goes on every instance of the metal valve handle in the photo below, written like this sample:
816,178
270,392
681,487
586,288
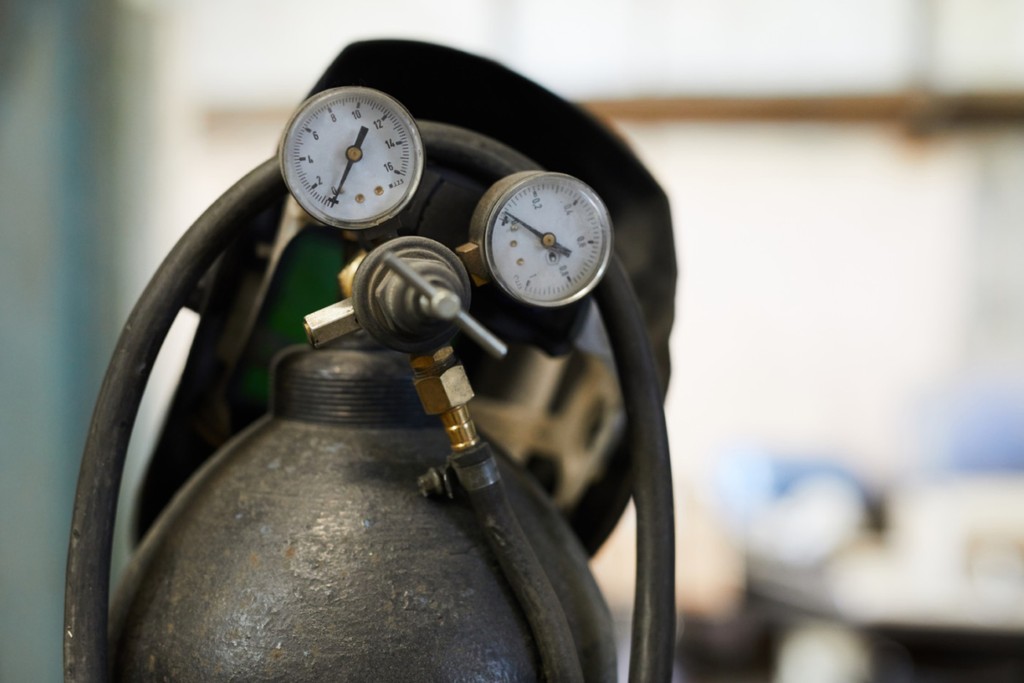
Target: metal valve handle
445,304
389,318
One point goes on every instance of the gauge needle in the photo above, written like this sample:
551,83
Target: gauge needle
548,239
353,154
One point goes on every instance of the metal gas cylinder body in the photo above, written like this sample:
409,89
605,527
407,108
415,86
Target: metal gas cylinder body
303,551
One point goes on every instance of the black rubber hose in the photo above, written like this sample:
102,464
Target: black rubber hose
654,612
477,471
87,589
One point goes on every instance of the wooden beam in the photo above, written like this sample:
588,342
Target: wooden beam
919,110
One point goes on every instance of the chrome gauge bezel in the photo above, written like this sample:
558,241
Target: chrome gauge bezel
495,201
293,134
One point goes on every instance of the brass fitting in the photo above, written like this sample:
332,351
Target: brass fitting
444,390
460,428
348,274
473,258
441,381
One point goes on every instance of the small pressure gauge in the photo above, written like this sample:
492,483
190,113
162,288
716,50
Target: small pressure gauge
545,237
352,157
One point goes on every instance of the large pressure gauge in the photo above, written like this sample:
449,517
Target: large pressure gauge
545,237
351,157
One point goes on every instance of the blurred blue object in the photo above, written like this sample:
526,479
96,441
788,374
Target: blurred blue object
749,477
982,428
789,509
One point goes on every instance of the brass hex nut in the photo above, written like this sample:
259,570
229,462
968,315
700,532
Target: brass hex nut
441,392
346,277
472,257
438,359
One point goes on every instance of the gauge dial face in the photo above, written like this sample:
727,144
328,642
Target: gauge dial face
351,157
546,237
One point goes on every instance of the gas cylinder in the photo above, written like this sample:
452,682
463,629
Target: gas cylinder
303,551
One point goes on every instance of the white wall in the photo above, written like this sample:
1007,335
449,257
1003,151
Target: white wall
266,53
829,273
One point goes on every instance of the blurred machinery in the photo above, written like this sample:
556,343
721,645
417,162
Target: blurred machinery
924,582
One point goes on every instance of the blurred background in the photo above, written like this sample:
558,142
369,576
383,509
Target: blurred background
846,409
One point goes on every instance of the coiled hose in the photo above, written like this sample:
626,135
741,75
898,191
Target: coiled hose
87,588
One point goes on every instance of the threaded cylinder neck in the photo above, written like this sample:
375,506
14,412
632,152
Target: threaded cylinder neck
359,387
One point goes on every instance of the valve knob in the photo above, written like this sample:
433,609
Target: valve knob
409,295
445,304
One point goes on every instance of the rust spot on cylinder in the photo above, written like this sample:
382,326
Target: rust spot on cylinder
289,552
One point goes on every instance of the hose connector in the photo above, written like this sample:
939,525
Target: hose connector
444,390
